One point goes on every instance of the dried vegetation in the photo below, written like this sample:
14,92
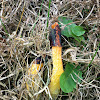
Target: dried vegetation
24,36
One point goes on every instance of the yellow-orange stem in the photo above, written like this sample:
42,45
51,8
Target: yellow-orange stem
33,71
57,70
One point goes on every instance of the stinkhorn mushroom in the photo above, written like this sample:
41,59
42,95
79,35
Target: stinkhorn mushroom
55,42
35,67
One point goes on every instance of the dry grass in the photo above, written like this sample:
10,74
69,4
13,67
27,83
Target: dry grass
21,43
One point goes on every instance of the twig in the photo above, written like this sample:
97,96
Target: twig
6,77
87,16
20,18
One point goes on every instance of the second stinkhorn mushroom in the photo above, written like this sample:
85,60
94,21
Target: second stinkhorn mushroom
55,41
35,67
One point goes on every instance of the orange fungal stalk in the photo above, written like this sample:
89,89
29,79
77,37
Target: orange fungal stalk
34,69
55,41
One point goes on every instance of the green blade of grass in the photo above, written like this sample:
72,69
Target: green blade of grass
4,27
92,59
98,78
48,12
37,17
